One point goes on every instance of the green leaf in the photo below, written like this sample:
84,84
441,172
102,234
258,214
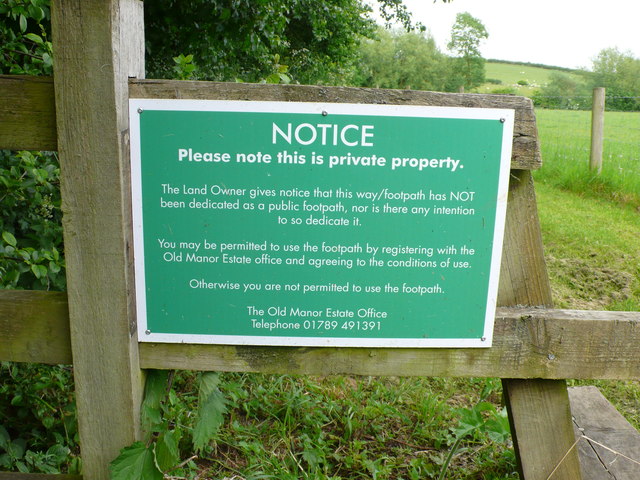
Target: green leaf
35,38
155,390
23,23
470,420
9,238
135,462
36,13
167,452
284,78
17,448
274,78
498,428
40,271
211,409
4,438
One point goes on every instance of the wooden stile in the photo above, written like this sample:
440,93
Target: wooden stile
37,122
35,327
535,348
609,445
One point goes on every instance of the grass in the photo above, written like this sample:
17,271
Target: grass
565,138
591,225
590,222
289,427
592,250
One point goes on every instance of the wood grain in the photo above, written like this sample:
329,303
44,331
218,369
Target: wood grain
27,113
526,149
598,420
539,411
99,44
528,343
35,327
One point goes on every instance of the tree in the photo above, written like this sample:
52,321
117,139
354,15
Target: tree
249,40
619,73
563,91
466,35
401,60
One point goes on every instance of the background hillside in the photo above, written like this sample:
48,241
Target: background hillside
521,78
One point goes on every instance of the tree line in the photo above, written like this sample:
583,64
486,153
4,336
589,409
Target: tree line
617,71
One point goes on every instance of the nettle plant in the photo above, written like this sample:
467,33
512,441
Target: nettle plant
169,426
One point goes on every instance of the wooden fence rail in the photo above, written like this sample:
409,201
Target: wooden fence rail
28,113
528,343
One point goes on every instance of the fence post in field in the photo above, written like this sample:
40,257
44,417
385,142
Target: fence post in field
597,129
99,45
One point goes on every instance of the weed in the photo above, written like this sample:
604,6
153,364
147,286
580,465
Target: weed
38,429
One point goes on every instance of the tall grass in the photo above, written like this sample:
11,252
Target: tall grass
565,138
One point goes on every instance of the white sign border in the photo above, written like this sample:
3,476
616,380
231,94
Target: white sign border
138,105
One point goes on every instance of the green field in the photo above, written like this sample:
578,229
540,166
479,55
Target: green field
591,224
510,74
565,139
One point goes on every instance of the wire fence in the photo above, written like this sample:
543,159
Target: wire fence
613,103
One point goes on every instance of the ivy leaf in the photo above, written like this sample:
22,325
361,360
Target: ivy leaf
135,462
211,409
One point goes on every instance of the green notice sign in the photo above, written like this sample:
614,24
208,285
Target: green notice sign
264,223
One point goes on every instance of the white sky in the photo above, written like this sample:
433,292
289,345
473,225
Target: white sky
565,33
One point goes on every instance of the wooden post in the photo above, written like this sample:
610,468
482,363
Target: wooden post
597,129
539,410
99,44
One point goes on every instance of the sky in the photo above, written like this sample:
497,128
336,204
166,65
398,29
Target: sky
564,33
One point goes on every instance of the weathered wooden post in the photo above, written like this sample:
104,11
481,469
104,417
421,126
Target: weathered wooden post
539,411
99,44
597,129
